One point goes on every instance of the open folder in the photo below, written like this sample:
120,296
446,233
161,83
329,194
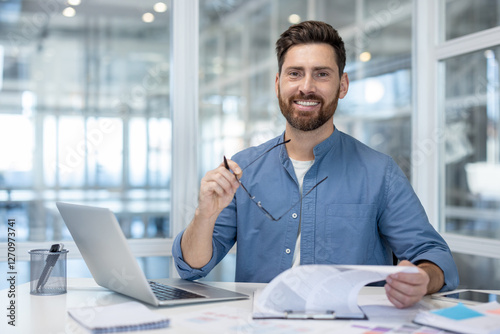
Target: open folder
319,291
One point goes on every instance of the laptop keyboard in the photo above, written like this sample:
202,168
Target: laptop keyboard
166,292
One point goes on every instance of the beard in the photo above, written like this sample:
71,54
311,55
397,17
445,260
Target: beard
306,121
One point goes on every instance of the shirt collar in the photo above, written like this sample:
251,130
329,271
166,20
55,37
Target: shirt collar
319,150
328,144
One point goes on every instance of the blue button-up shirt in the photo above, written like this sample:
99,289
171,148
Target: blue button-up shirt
365,211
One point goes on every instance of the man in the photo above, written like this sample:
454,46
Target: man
314,193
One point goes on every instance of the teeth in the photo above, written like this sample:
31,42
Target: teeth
307,103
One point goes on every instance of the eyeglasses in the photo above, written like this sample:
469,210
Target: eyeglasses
258,203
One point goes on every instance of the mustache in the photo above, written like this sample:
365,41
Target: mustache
302,96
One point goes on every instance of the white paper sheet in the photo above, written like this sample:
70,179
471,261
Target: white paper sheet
317,289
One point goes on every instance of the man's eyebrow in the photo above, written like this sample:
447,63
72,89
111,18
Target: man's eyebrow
320,68
297,68
316,68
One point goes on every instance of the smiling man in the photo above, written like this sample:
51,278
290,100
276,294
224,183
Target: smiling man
313,195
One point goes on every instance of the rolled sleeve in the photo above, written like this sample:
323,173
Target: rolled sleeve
185,270
450,271
444,260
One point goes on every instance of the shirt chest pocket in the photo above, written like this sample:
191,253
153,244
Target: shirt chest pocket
350,225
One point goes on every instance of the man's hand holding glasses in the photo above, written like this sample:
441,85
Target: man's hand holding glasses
217,189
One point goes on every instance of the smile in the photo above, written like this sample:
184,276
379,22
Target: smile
307,103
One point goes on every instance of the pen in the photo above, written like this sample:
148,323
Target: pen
50,262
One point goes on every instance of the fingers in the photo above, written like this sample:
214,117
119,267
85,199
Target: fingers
395,297
217,189
221,181
411,279
406,289
234,167
406,263
404,294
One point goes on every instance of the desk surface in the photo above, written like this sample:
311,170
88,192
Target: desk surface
37,314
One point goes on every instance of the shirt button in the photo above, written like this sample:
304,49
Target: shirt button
294,215
287,250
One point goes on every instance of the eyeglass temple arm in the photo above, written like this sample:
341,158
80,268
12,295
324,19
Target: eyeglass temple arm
262,154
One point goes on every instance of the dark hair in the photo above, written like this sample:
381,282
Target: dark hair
309,32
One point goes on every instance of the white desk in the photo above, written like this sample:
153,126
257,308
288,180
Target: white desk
47,315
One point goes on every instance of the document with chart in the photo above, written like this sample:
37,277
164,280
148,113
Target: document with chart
319,291
476,319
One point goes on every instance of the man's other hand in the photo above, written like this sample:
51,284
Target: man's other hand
407,289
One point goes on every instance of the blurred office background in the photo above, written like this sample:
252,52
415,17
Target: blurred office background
87,112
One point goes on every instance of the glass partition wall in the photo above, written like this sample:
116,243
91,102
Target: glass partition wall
472,149
84,115
471,116
468,53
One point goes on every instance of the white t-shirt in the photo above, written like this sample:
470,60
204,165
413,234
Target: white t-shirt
301,168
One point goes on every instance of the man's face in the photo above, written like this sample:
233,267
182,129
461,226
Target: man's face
309,86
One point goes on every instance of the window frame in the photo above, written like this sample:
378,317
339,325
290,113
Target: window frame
428,118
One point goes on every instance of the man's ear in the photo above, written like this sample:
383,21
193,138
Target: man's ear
277,84
344,86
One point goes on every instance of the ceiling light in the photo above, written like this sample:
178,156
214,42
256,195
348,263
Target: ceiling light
74,2
148,17
294,19
160,7
69,12
365,56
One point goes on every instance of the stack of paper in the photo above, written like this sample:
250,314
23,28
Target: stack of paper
123,317
477,319
319,291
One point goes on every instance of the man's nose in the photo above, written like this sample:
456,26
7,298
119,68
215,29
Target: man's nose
308,85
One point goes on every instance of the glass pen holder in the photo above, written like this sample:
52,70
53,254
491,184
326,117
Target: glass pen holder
47,272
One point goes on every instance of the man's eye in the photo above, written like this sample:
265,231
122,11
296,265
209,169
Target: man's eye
294,74
322,74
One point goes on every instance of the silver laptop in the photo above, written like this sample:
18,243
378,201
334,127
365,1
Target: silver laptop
104,248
